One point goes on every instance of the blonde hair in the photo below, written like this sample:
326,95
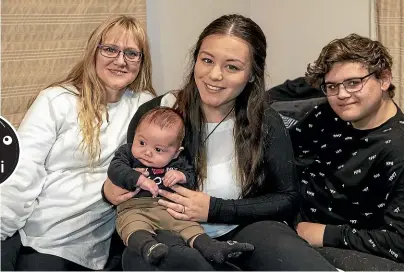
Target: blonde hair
91,91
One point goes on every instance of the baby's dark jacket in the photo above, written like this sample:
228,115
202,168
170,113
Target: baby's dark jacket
121,171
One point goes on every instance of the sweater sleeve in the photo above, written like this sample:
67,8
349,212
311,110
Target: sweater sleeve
37,134
120,170
386,241
279,199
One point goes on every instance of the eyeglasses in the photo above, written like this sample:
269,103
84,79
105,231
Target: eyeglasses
351,85
110,51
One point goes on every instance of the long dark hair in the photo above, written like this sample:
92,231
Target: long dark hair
248,106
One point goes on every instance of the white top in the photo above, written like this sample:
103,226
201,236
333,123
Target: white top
221,179
221,163
53,198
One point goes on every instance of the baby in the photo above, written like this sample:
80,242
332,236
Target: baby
157,147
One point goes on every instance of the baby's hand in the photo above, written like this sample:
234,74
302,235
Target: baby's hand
142,171
173,177
148,185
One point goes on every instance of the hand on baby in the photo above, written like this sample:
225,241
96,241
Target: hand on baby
173,177
148,185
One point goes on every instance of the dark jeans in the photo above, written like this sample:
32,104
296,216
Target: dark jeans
9,252
16,257
277,247
352,260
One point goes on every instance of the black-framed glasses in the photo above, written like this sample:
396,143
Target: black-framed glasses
111,51
351,85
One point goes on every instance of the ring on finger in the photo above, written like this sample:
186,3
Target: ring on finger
183,209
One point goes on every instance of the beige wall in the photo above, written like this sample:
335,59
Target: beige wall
296,31
42,40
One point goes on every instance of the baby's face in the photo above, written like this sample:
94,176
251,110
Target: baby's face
9,150
155,147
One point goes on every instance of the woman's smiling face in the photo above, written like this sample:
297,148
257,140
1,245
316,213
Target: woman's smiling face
117,73
222,70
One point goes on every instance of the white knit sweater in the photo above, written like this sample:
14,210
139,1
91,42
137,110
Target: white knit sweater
54,198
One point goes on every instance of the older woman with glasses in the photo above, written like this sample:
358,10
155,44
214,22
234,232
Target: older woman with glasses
68,138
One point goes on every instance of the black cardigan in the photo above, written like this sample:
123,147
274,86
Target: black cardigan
120,171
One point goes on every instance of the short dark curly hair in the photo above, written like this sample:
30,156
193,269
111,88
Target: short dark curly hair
355,48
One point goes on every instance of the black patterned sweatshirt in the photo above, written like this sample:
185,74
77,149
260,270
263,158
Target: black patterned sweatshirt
353,181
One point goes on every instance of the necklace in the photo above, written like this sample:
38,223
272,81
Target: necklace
224,118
